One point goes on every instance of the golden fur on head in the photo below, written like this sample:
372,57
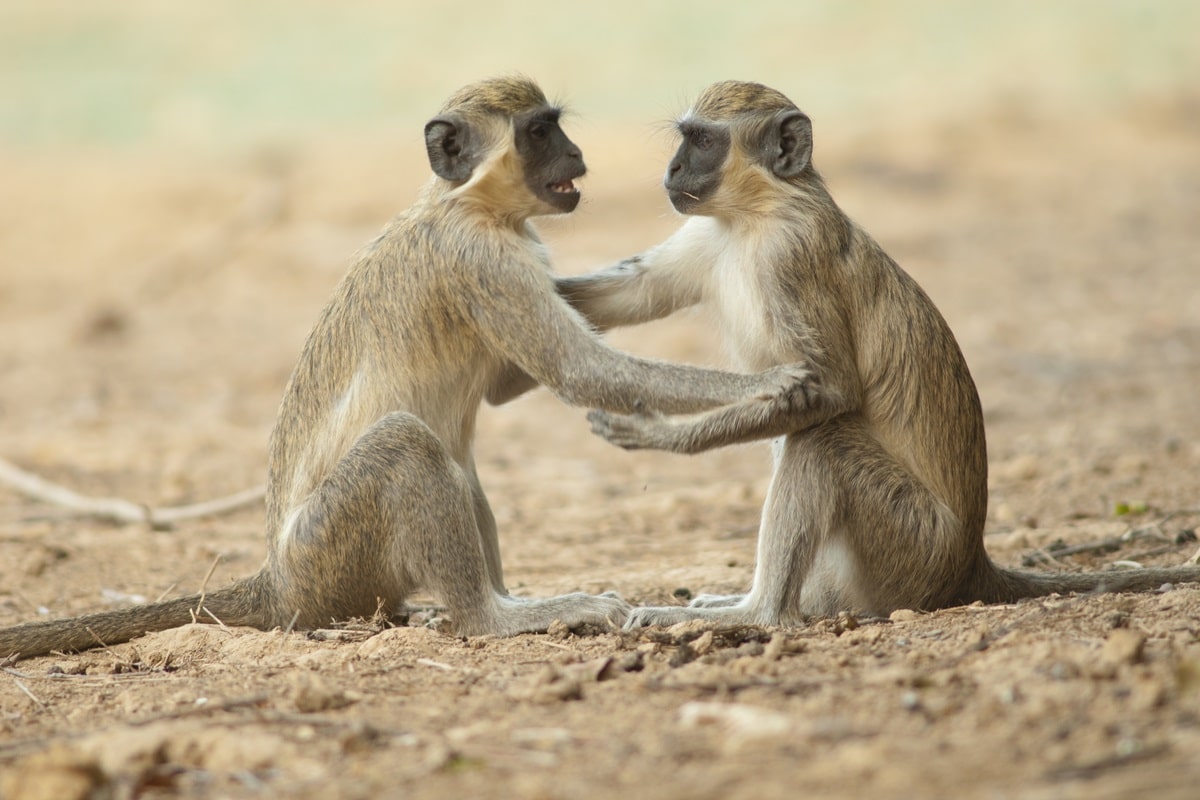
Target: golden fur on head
507,96
725,100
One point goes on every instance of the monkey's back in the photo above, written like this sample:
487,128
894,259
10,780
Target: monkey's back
917,388
397,335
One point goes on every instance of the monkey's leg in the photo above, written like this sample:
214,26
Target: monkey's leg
784,555
397,514
905,548
485,521
845,527
377,527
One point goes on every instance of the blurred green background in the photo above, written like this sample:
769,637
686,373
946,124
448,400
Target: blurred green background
225,72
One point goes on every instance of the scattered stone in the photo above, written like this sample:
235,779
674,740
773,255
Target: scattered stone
688,630
77,667
553,684
1117,619
310,694
360,738
559,630
684,654
752,648
702,643
618,665
1123,646
781,644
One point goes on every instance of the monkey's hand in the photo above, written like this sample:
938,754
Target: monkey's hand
786,401
637,431
793,385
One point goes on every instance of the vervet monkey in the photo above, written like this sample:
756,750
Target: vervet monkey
879,494
372,489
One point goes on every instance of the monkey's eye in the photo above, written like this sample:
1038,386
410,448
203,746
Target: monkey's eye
702,140
538,130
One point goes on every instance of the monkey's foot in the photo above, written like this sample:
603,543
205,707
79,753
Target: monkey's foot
671,615
716,600
533,615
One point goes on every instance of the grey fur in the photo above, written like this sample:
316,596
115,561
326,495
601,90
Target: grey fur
879,495
372,490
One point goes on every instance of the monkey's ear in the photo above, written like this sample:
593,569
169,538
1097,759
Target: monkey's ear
789,144
446,145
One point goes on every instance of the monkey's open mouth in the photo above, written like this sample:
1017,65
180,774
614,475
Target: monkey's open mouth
562,195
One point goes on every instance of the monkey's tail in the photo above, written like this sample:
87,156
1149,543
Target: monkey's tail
994,584
243,603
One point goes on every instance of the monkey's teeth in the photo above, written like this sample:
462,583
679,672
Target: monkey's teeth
563,186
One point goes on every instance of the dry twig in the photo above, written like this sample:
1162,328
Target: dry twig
25,690
116,509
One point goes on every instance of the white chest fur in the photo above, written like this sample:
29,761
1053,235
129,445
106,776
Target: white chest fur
737,296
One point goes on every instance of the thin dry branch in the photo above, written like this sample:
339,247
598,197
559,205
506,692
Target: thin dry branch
116,509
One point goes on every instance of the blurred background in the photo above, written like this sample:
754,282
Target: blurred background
217,74
226,73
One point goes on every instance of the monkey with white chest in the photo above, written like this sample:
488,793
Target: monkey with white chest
372,491
879,495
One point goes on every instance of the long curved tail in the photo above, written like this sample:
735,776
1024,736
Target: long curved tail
993,584
239,604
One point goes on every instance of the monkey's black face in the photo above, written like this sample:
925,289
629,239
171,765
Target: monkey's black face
695,171
552,161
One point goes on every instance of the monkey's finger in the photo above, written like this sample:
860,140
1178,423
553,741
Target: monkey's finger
646,616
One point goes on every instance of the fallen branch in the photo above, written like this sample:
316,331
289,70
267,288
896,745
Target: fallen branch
116,509
1051,554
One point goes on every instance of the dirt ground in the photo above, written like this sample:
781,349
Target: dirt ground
152,306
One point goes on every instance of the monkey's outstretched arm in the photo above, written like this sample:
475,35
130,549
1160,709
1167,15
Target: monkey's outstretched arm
628,293
808,405
534,329
642,288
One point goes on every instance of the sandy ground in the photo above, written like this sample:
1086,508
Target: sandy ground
151,308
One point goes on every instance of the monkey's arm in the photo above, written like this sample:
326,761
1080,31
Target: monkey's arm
807,405
532,327
649,286
627,293
624,294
